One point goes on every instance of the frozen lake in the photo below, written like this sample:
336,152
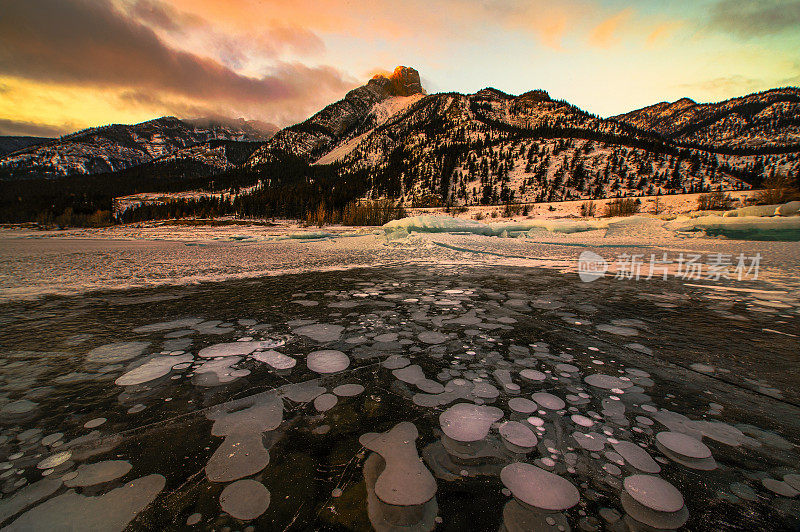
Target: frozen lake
137,392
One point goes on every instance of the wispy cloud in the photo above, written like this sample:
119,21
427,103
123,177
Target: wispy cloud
755,18
607,32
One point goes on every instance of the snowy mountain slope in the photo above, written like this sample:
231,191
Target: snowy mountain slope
763,120
493,147
117,147
337,122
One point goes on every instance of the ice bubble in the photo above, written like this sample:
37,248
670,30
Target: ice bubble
522,405
258,413
654,493
151,370
135,409
275,359
607,382
348,390
583,421
168,325
233,349
327,361
99,473
94,423
517,434
321,332
410,374
395,362
116,352
793,479
621,331
431,337
302,392
325,402
50,439
744,491
404,481
239,456
218,371
18,408
548,400
388,337
466,422
721,432
110,511
683,445
779,487
637,457
193,519
54,460
591,442
485,390
538,488
245,499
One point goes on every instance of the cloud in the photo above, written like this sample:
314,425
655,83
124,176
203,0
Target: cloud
734,84
755,18
662,32
606,33
92,43
31,129
232,47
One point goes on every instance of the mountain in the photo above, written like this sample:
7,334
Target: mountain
492,147
769,119
360,109
390,139
117,147
9,144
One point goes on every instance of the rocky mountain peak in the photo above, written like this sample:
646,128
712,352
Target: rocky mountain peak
404,81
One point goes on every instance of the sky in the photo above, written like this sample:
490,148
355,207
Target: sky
71,64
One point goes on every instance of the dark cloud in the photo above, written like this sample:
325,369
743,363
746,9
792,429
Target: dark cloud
91,43
31,129
755,18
